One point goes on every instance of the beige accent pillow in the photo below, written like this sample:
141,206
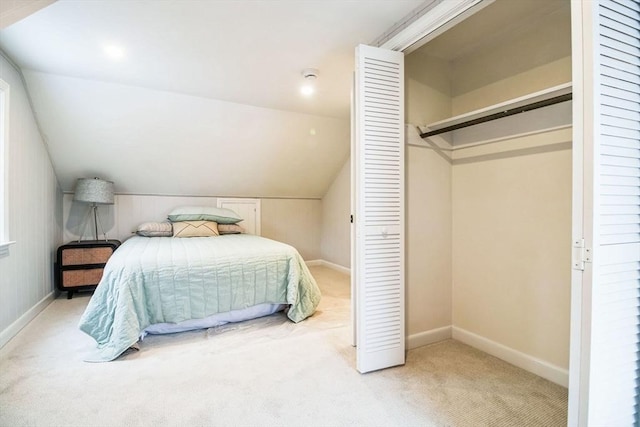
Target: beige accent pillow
155,229
230,229
195,229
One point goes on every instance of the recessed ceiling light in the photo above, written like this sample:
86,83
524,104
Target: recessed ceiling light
113,52
307,90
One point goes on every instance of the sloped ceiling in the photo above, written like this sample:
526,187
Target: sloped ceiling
205,98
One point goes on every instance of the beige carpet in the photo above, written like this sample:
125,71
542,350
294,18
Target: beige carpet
265,372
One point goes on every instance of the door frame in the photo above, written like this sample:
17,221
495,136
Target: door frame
582,52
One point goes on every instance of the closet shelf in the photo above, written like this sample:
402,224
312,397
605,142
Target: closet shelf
550,96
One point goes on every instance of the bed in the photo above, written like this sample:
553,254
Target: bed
168,284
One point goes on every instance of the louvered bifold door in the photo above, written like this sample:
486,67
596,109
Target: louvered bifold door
617,236
379,208
612,275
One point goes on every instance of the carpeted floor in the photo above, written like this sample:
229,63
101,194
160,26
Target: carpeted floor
264,372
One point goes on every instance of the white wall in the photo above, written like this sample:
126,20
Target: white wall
512,225
35,216
428,204
512,246
293,221
529,81
335,239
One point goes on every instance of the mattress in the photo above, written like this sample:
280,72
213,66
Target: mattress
165,280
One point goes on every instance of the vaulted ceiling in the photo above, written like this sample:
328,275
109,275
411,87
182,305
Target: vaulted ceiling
199,97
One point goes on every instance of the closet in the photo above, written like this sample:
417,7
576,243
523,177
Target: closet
463,224
488,113
521,233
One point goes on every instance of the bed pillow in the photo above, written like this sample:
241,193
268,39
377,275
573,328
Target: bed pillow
155,229
204,213
195,229
230,229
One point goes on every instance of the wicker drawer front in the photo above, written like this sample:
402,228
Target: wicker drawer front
80,265
83,256
75,278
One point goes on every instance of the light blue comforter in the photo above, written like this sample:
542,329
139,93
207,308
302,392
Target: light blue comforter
168,280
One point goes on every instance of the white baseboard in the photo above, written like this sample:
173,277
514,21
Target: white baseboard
13,329
428,337
529,363
333,266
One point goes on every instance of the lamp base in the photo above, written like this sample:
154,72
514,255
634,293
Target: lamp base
96,221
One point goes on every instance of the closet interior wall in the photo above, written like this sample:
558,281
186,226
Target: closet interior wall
428,207
489,227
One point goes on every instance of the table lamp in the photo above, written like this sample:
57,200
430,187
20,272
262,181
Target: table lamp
95,191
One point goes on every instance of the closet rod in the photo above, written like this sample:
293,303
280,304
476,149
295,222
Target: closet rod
501,114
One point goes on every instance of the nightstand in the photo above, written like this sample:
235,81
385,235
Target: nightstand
79,265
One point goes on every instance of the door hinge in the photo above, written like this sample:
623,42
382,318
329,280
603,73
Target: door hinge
581,254
351,219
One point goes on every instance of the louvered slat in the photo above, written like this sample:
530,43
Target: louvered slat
379,210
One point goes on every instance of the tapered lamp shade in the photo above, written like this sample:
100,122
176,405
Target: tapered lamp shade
94,190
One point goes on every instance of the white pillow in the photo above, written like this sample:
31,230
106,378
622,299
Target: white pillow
155,229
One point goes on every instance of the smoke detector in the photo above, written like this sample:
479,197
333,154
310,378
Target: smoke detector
310,73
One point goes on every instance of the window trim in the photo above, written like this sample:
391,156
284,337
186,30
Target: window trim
5,242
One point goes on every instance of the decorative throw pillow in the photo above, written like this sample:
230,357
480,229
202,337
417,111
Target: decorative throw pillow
204,213
195,229
230,229
155,229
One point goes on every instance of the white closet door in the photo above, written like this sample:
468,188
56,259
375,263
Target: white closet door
379,208
606,294
248,209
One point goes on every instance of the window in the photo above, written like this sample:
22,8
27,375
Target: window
4,171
